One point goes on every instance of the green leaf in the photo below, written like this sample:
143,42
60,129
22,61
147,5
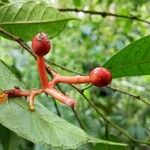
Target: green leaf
25,19
133,60
41,126
7,78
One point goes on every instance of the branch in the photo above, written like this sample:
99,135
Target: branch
56,107
63,68
129,94
78,118
104,14
18,40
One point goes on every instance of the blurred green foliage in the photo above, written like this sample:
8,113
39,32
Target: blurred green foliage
81,46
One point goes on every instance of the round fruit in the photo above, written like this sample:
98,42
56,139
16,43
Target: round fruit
41,44
100,76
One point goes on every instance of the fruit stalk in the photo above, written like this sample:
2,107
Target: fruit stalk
61,97
42,72
72,80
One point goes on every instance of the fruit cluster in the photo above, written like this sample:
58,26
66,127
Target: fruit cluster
41,46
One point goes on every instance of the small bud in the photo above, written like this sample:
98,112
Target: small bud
3,97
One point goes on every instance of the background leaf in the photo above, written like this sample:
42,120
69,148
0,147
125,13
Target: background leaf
77,3
133,60
41,126
25,19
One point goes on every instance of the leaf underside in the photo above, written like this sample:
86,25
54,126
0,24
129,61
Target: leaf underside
133,60
25,19
41,126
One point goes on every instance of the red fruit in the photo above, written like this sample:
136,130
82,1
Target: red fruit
41,44
100,76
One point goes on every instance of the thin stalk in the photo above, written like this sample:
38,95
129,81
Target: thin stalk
42,72
61,97
72,79
77,117
56,107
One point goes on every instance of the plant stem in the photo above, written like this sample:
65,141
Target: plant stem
61,97
78,119
129,94
103,14
18,40
42,72
56,107
72,79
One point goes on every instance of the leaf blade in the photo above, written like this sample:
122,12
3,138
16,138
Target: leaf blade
25,19
133,60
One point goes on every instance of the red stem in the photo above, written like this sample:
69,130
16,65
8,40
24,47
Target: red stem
16,93
61,97
42,71
72,80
